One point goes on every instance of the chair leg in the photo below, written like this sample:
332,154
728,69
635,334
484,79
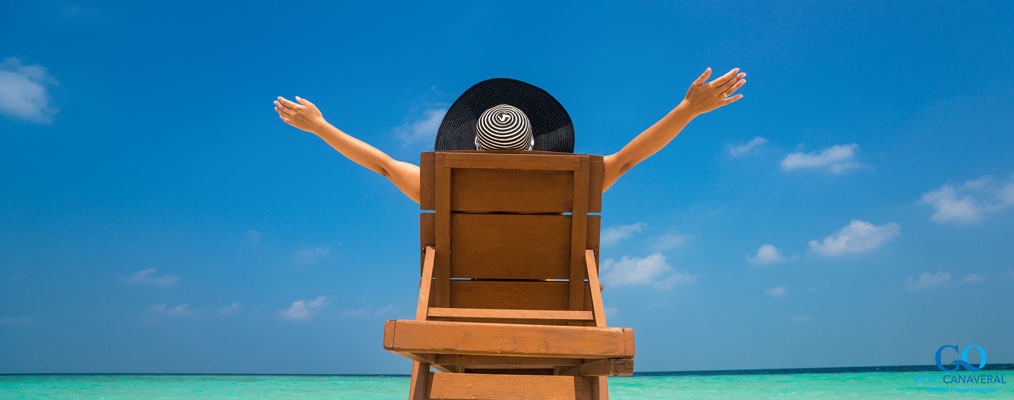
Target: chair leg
419,388
600,388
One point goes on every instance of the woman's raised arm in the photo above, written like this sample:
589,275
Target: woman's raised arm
304,115
700,98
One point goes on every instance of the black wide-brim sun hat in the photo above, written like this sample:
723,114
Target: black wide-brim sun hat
551,125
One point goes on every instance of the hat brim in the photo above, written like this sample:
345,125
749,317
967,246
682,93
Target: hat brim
551,125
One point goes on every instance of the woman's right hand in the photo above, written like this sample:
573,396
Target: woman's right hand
303,115
703,97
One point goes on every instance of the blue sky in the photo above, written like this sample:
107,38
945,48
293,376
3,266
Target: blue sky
854,208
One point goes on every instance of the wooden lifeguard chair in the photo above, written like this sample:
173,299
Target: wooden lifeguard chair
510,305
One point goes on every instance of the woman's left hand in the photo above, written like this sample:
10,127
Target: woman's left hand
303,115
703,97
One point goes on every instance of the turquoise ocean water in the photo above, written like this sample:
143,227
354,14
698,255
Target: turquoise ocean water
817,384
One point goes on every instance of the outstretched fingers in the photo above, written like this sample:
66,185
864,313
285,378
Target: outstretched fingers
282,109
285,116
724,79
731,82
704,77
304,102
734,88
730,100
289,104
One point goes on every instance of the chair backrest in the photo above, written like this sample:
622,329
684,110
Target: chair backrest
510,228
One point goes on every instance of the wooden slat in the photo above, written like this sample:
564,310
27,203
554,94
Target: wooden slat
427,180
605,367
425,283
485,190
496,387
593,285
594,228
511,371
596,172
600,388
520,295
628,340
427,359
503,246
483,313
542,322
442,234
489,362
438,337
522,152
389,334
579,229
427,224
419,386
529,161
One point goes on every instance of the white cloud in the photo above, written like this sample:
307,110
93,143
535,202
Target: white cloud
927,281
24,91
231,309
857,236
308,255
649,271
613,235
800,318
148,276
947,206
974,278
611,311
737,150
777,291
766,254
304,309
423,129
178,311
968,202
837,159
670,240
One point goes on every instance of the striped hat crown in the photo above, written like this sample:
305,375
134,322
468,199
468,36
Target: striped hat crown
503,127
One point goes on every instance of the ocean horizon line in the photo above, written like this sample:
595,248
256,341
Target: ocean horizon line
754,371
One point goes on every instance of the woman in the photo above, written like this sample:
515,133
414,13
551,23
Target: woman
700,98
